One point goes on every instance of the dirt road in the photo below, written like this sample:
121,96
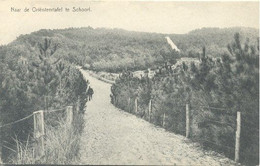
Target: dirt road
112,136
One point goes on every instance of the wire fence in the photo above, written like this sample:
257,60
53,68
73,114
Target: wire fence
17,121
224,121
38,128
28,116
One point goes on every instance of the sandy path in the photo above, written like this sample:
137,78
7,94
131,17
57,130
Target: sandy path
112,136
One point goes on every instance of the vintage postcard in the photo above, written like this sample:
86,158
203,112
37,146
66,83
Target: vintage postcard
129,82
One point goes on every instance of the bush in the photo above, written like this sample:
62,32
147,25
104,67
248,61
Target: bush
30,83
215,89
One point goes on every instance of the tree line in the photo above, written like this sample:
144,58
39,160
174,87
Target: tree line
115,50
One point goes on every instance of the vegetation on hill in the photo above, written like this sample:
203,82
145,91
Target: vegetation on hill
115,50
37,72
215,90
32,78
214,39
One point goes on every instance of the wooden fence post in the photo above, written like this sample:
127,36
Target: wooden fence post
45,103
69,115
238,137
129,108
163,120
187,121
136,106
115,102
1,162
1,141
150,109
38,125
77,106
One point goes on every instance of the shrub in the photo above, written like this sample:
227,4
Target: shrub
215,89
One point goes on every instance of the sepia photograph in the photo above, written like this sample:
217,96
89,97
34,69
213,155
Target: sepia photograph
99,82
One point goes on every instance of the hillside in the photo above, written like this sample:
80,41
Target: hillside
116,49
214,39
216,90
37,72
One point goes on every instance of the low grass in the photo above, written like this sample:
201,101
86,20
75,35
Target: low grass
62,144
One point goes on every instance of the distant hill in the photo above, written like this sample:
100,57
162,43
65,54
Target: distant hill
116,49
214,39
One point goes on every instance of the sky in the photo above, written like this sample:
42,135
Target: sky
146,16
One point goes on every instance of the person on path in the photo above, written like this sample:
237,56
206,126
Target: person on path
90,93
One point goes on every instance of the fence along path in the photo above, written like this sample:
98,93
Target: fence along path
187,129
236,126
39,129
113,136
